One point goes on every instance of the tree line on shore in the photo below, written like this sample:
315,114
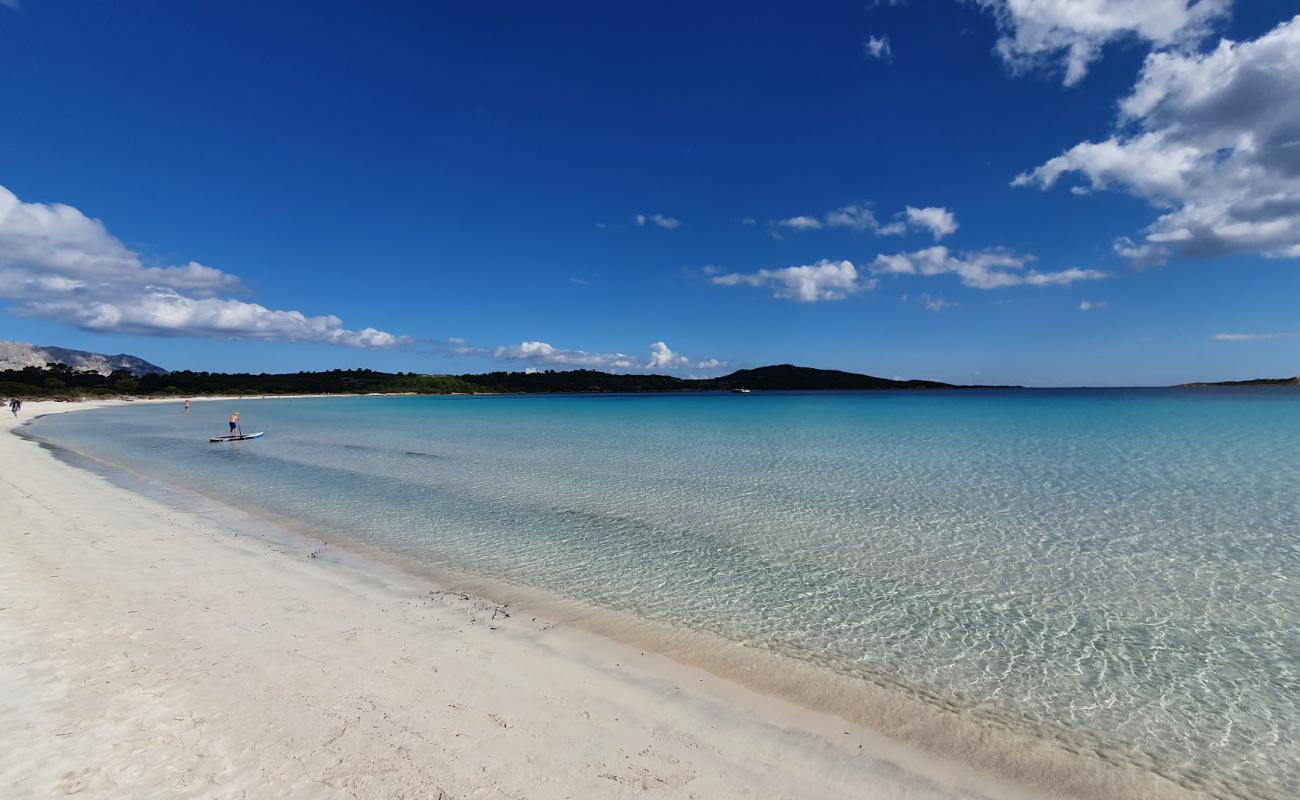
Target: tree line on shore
60,382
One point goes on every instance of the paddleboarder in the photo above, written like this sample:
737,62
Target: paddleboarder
234,423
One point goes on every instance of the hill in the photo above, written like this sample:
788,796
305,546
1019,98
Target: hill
1255,382
17,355
788,377
779,377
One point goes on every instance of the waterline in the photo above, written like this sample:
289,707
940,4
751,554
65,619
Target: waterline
1111,571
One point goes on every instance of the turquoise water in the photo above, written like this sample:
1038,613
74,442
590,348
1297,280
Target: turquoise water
1117,567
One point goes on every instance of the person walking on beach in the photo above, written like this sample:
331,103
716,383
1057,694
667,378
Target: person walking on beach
234,423
15,405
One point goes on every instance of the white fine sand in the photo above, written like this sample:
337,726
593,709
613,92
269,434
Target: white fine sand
147,652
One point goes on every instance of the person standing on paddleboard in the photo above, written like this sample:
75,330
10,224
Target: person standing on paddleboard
234,423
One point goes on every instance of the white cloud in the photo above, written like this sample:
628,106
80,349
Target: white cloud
935,304
1211,140
1073,32
985,269
1141,256
939,221
541,352
801,223
877,47
1255,337
657,219
661,356
59,264
1092,305
825,280
856,218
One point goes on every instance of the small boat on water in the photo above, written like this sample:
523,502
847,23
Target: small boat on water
740,391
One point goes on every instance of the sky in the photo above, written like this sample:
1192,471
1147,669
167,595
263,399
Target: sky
1102,192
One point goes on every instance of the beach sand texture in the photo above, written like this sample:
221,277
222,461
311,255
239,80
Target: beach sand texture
151,652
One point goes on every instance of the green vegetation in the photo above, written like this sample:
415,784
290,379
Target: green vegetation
57,381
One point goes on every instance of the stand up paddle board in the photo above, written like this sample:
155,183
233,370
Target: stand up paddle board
241,437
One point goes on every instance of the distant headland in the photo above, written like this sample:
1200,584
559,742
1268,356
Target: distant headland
1255,382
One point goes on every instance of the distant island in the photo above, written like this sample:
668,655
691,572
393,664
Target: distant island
61,381
1255,382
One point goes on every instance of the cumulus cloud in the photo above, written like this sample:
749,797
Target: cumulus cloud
801,223
940,222
825,280
935,304
541,352
1255,337
1092,305
877,47
57,263
1037,33
1213,142
854,218
657,219
985,269
1141,256
661,356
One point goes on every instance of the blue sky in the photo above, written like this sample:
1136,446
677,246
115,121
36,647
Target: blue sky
458,187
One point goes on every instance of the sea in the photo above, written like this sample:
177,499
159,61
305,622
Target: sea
1116,571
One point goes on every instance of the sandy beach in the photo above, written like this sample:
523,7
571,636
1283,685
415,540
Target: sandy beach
151,652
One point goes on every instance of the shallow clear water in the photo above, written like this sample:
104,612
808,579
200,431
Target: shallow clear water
1121,567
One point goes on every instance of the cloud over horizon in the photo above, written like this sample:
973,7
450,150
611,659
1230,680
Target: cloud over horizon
1255,337
661,356
58,264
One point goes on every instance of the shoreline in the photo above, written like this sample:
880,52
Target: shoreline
741,688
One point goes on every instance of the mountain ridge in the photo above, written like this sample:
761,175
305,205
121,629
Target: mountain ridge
17,355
